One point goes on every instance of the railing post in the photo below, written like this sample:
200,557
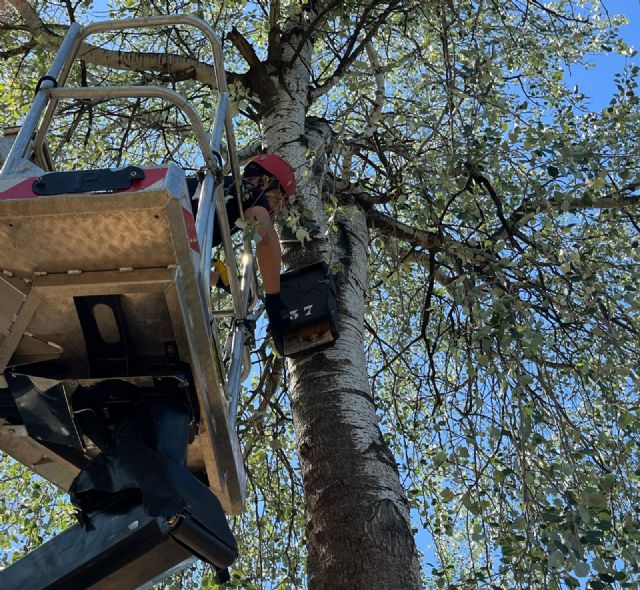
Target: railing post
21,144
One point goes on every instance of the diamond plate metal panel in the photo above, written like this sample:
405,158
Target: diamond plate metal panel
85,241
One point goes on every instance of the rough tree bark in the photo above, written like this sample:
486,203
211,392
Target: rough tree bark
359,535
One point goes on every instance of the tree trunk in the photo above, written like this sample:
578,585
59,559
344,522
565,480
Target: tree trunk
358,526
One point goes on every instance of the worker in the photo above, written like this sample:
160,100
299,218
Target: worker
268,182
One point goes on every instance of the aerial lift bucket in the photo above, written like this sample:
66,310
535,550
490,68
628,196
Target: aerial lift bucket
104,309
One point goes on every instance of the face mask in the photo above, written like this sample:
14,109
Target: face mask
250,192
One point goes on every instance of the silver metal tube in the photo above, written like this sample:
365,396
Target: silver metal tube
235,370
240,361
238,372
252,279
254,290
248,299
205,265
205,217
147,92
222,115
21,144
81,33
218,123
235,170
247,271
230,259
205,209
233,158
164,20
204,229
62,79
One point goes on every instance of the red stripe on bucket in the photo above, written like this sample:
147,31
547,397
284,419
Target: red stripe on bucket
191,229
20,190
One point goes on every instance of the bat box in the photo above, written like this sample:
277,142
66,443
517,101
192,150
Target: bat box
309,293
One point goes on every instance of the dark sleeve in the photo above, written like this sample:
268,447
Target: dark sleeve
192,186
233,211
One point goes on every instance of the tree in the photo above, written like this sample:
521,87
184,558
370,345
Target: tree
480,220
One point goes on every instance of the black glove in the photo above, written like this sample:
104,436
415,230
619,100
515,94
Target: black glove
277,313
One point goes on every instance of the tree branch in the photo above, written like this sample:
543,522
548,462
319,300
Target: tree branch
312,27
391,227
29,16
21,50
273,51
510,230
244,47
177,66
351,56
611,201
379,100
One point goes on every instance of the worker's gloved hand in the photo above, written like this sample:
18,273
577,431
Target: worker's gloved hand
277,313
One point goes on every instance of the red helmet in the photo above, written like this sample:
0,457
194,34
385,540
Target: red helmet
280,169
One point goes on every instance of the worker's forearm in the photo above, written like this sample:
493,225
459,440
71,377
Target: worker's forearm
269,259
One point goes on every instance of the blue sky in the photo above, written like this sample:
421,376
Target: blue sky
597,82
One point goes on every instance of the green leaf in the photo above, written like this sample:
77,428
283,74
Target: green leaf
556,559
581,569
447,495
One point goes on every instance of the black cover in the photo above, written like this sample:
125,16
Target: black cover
111,551
86,181
130,471
105,358
45,414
